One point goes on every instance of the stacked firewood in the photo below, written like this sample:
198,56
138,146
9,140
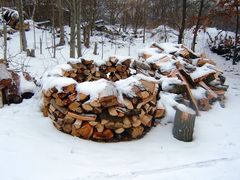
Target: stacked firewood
194,77
120,99
12,84
108,113
86,70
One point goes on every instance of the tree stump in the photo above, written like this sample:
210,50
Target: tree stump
183,125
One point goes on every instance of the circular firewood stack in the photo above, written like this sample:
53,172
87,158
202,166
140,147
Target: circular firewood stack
86,70
100,110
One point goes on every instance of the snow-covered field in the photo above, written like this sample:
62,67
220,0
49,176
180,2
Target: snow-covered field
32,149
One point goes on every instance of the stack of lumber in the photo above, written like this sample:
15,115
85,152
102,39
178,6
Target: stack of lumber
86,70
102,110
121,100
14,86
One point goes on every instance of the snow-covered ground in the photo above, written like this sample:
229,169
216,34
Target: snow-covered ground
32,149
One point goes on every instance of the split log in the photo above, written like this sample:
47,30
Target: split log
189,93
183,126
83,117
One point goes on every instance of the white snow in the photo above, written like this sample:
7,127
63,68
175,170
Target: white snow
26,86
199,93
201,71
167,82
96,89
32,148
57,82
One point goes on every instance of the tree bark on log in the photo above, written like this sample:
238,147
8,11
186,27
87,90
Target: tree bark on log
183,126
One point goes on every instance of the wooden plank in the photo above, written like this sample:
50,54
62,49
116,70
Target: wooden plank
202,84
61,109
83,117
189,93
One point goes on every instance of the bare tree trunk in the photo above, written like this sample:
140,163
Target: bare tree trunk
86,35
54,34
95,49
181,32
34,29
144,24
61,23
23,40
197,25
73,26
79,45
236,35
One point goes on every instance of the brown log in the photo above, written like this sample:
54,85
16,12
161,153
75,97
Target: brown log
74,106
127,103
69,89
83,97
99,127
137,132
86,131
159,113
61,109
67,128
68,119
83,117
105,135
112,111
203,104
108,101
93,123
126,122
189,93
104,121
87,107
146,120
183,126
59,102
119,130
210,91
95,103
44,110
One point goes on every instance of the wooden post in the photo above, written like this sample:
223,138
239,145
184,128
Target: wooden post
95,49
40,45
183,125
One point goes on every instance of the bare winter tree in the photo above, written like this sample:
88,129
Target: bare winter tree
61,23
74,6
197,25
183,23
23,41
79,43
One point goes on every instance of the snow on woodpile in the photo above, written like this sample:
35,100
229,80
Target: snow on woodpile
15,86
121,98
83,101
